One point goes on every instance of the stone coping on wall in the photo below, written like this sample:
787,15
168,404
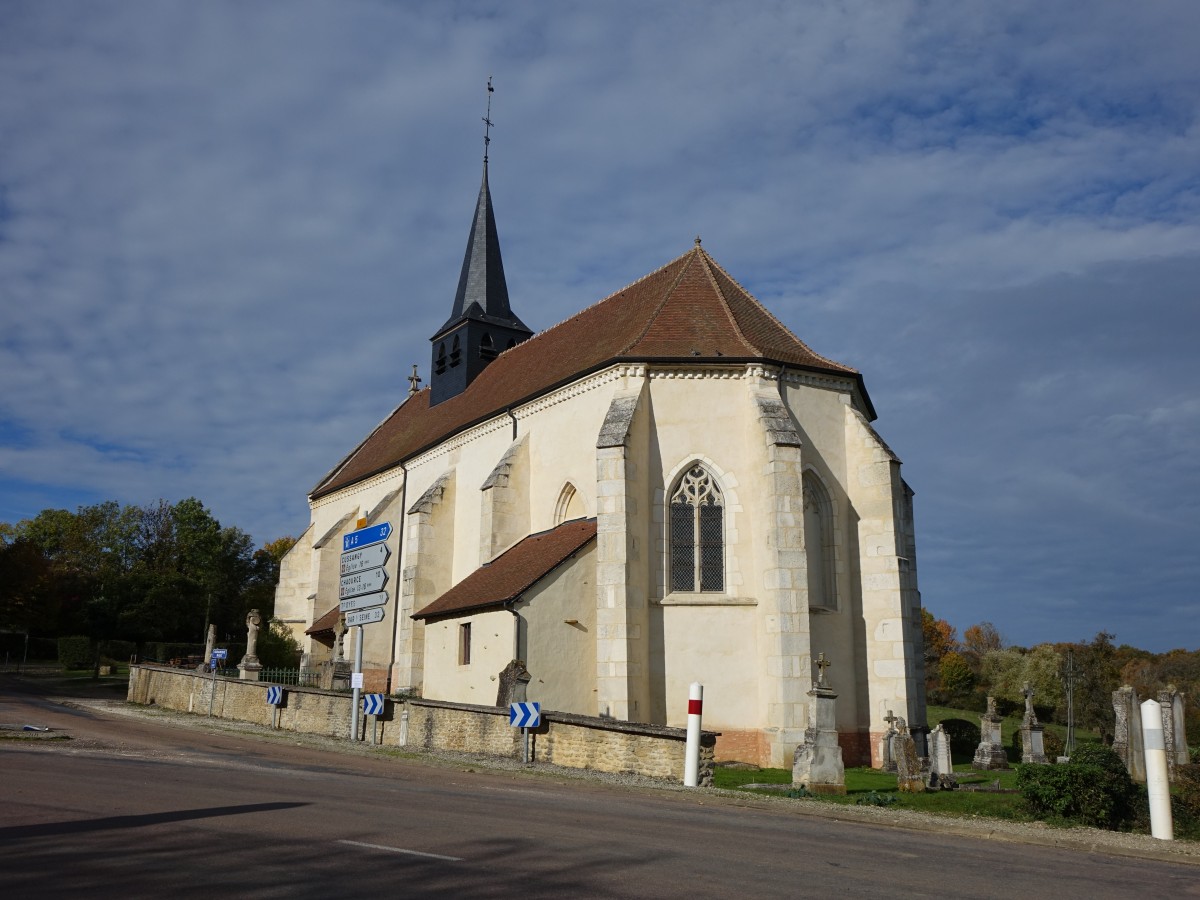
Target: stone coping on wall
602,723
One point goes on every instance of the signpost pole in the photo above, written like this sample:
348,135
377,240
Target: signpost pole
213,691
357,680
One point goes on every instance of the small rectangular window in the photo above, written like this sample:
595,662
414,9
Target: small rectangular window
464,644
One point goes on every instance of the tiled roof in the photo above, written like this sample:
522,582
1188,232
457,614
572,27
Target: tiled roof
326,622
690,311
514,571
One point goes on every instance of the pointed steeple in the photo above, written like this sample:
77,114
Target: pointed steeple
482,324
482,289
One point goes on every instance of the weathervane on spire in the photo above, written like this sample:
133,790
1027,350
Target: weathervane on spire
487,120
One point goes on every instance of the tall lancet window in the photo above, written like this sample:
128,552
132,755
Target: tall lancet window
697,533
818,544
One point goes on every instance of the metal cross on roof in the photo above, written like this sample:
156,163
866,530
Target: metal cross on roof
487,120
414,381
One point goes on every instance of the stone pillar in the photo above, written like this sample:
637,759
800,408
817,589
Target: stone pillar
990,753
427,567
788,639
887,573
1174,733
1127,736
504,515
817,762
249,668
622,688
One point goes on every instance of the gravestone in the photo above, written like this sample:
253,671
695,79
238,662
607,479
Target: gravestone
817,763
990,752
1033,748
1127,735
514,682
910,777
1174,733
887,745
941,764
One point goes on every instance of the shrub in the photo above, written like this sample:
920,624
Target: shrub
964,738
277,648
1092,789
1187,796
118,651
75,652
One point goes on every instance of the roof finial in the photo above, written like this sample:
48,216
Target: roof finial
697,240
414,381
487,120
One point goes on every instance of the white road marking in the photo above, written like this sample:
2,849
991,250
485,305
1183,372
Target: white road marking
400,850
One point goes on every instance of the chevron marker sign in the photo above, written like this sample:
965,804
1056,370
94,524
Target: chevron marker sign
373,704
274,695
525,715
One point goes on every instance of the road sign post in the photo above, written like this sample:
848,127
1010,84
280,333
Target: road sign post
274,698
525,716
356,680
361,598
221,653
373,707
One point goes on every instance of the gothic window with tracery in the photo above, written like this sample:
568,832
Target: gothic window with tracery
697,527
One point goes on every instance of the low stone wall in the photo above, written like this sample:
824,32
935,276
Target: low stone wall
565,739
306,710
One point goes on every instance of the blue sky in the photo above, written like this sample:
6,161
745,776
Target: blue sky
227,231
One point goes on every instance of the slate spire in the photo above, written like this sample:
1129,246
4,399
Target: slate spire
482,324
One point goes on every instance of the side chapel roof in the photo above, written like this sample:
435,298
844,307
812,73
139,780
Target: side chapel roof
689,311
515,571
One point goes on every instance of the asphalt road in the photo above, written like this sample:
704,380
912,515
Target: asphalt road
133,808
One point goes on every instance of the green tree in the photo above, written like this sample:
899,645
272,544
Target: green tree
956,675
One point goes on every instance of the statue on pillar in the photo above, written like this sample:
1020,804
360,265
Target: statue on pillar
249,667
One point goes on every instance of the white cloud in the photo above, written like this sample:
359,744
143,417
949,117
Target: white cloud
227,230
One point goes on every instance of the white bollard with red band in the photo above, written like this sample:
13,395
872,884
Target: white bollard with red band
691,760
1157,777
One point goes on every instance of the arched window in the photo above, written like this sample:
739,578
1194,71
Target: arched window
487,349
455,353
440,368
818,543
697,539
569,506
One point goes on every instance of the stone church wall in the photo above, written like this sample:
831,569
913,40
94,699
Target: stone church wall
584,742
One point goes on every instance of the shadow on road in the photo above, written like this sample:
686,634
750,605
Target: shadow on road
55,829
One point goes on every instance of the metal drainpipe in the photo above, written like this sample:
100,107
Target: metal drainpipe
514,421
399,574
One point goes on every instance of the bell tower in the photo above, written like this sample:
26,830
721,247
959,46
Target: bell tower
481,323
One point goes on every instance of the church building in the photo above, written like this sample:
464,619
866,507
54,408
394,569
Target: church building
667,487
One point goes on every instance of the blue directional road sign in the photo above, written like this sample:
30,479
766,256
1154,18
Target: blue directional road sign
274,695
364,536
373,704
220,653
525,715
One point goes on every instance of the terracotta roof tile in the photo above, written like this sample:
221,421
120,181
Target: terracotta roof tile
690,309
326,622
514,571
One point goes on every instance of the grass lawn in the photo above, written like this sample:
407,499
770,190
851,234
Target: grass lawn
861,782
